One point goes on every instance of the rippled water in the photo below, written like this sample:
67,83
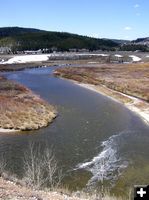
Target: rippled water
93,137
107,162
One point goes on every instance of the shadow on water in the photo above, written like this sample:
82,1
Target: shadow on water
90,130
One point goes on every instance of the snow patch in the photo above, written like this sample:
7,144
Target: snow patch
135,58
103,55
119,56
27,58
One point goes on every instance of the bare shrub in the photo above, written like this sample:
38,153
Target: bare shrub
40,168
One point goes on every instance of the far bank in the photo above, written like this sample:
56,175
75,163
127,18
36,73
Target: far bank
128,84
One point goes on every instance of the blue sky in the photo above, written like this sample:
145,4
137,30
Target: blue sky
121,19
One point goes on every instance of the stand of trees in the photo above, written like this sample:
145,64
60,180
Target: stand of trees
20,39
134,47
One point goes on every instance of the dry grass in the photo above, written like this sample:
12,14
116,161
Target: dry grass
9,190
21,109
131,79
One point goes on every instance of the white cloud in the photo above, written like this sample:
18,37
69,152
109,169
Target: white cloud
128,28
136,6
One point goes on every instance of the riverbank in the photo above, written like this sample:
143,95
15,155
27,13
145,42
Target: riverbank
3,130
127,84
10,190
134,104
21,109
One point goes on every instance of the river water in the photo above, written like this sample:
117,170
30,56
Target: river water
94,138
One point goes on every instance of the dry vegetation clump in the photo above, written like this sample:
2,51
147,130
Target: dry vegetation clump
21,109
41,168
12,191
131,79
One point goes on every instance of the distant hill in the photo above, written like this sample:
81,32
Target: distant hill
140,44
144,41
19,39
13,31
120,41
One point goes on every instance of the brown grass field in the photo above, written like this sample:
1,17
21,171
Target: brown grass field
20,109
131,79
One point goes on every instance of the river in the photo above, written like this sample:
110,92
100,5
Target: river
94,138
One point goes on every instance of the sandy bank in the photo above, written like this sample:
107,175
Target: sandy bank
2,130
